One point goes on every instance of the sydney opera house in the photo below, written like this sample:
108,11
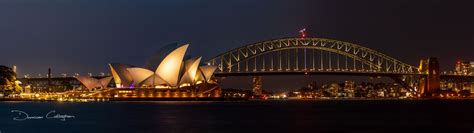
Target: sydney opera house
168,74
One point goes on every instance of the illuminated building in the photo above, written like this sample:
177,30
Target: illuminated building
463,67
91,83
472,73
472,67
121,76
173,77
257,85
14,69
172,72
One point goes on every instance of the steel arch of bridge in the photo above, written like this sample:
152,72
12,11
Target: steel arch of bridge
376,62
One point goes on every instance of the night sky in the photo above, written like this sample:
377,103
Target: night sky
85,35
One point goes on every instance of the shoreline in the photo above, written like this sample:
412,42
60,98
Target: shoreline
126,99
232,99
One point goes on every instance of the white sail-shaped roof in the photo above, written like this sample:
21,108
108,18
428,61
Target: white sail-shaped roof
199,76
104,82
121,76
140,74
172,70
191,68
207,71
87,81
153,62
170,67
190,62
153,80
91,83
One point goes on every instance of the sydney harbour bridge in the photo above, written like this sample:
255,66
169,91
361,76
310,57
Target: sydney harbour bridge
320,56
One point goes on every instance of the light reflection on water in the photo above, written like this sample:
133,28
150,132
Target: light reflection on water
247,116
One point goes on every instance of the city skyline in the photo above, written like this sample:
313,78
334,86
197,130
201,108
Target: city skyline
240,66
76,36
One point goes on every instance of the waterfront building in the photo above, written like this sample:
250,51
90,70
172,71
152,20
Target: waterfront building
172,72
257,85
472,67
463,68
122,78
173,77
91,83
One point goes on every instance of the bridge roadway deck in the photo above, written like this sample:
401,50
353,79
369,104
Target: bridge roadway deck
370,74
232,74
224,74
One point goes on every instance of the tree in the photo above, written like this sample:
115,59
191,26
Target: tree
8,82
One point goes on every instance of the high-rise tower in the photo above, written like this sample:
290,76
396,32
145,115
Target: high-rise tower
257,85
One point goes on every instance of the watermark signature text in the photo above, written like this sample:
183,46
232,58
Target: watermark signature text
22,115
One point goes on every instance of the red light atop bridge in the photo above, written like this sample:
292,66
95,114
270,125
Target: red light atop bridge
303,33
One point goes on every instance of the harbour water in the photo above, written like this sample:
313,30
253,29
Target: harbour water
240,116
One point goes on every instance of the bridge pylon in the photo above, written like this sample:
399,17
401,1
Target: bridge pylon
429,84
